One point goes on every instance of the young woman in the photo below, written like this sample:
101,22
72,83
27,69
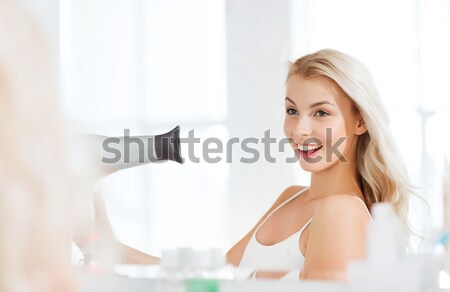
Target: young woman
339,129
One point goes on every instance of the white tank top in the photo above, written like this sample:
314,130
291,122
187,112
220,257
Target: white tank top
282,256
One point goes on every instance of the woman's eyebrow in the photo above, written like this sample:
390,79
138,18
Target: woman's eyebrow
321,103
287,98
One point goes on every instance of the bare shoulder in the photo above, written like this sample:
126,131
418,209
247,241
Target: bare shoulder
339,215
341,206
288,193
337,235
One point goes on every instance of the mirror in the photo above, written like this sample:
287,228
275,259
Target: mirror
217,69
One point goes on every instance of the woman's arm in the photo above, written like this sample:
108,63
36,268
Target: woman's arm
337,235
104,235
130,255
234,255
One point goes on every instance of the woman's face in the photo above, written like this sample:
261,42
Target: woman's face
321,122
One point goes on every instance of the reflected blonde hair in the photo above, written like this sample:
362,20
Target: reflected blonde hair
382,173
41,197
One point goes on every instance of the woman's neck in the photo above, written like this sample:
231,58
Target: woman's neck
341,178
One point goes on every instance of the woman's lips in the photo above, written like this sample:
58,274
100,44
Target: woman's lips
308,154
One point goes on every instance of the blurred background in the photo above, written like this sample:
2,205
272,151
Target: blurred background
218,67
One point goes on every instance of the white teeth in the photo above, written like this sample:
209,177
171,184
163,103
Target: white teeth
308,147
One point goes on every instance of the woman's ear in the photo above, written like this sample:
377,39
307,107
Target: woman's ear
361,128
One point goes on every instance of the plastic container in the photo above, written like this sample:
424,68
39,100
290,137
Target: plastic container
386,268
385,237
171,274
208,268
192,270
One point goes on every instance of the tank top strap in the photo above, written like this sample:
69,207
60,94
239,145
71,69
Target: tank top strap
279,206
364,204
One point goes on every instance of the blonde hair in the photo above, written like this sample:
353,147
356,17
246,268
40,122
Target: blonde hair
383,175
41,197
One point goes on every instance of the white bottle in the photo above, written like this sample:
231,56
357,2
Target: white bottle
171,275
385,237
386,267
218,266
207,270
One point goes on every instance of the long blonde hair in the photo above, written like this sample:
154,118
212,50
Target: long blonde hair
382,173
42,200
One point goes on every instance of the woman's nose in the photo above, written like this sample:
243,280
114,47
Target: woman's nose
302,129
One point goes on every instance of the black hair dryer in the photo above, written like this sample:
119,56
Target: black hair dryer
117,153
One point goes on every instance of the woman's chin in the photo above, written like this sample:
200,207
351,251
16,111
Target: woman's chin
312,166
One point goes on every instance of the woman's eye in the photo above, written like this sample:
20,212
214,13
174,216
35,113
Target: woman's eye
321,113
291,111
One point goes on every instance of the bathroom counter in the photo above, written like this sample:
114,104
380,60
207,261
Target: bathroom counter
124,284
137,278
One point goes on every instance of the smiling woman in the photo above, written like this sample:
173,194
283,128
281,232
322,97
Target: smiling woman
323,107
339,128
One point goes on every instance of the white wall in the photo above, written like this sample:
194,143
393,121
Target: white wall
100,74
47,13
258,42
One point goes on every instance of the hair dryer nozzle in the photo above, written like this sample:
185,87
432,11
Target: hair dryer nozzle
167,146
117,153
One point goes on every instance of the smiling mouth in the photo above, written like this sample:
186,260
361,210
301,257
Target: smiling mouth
306,151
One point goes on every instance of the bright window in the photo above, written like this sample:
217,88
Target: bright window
148,66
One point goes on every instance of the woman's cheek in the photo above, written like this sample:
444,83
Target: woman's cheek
286,129
340,141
